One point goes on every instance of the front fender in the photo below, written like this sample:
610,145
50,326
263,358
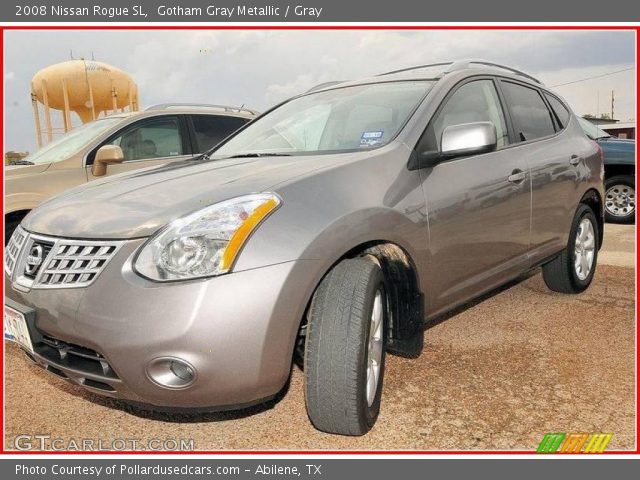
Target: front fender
374,225
22,201
327,215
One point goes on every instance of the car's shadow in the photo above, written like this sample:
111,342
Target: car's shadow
169,415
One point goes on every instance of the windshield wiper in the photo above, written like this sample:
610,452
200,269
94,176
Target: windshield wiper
21,162
259,155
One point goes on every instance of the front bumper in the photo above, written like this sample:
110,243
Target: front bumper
238,331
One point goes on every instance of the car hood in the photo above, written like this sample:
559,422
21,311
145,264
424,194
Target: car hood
137,204
11,171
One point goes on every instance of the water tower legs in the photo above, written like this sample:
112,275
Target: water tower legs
66,112
93,105
36,118
47,111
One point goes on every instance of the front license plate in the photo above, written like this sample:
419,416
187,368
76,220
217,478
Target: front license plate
15,328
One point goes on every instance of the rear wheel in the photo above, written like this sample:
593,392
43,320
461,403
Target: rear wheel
573,270
620,199
345,348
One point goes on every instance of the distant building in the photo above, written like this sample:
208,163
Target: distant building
14,156
599,121
614,127
621,129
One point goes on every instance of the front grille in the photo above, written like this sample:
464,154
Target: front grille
12,252
76,264
58,263
68,355
31,270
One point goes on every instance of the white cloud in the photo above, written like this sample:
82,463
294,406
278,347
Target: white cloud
594,95
261,68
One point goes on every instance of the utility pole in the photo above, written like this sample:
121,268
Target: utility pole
612,103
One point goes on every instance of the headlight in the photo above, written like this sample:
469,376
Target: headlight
204,243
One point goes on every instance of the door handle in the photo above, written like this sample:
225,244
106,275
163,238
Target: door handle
575,159
517,176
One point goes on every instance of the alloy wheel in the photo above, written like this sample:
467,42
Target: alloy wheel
374,350
585,246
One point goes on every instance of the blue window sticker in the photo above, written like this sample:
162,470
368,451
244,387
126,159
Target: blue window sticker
370,139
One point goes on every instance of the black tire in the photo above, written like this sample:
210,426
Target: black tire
9,227
623,216
560,274
337,344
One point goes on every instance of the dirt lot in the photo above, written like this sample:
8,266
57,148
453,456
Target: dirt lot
498,375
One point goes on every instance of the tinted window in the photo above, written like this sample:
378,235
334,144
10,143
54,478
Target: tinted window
336,120
149,139
211,130
473,102
562,114
531,117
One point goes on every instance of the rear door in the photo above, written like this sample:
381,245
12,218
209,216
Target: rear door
148,142
478,206
553,162
209,130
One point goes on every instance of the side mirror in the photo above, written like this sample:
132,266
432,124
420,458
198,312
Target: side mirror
106,155
457,140
468,139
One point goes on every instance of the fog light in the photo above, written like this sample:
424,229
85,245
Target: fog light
171,372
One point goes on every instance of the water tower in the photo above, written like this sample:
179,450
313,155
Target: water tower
86,87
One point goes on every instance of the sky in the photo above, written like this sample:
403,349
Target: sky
261,68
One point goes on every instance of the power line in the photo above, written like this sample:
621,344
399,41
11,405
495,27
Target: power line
591,78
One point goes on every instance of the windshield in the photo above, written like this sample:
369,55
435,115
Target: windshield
71,142
591,130
339,120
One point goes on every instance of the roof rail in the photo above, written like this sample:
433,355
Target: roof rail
461,65
225,108
417,67
320,86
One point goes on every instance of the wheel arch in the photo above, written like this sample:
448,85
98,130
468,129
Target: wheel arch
593,199
16,215
613,170
402,279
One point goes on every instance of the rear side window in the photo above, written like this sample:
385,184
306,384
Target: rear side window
562,114
531,117
211,129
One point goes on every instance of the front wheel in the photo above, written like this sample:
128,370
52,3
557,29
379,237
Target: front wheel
620,199
345,348
573,270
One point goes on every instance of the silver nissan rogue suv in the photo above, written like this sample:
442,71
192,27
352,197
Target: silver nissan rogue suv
334,227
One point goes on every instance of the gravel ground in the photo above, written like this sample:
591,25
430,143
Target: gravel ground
497,375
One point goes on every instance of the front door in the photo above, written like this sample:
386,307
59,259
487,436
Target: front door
148,142
478,207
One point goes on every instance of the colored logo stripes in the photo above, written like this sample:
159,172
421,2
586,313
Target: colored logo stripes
574,442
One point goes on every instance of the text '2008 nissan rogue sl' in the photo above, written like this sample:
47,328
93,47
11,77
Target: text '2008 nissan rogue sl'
334,227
